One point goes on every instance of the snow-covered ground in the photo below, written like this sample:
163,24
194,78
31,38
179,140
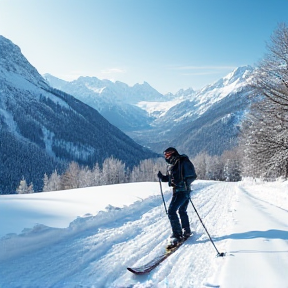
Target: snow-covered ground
87,237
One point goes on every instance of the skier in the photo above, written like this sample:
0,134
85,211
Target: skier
180,175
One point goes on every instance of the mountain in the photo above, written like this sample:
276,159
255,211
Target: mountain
43,129
206,120
116,101
194,121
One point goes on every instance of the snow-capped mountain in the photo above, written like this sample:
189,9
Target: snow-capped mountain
116,101
198,103
213,114
42,128
92,87
206,120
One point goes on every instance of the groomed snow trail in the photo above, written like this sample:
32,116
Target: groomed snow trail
258,248
97,255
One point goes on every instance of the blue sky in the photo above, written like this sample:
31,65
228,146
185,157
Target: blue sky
169,44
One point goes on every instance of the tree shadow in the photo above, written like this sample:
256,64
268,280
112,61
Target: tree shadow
268,235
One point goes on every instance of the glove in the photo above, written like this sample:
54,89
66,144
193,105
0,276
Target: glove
160,175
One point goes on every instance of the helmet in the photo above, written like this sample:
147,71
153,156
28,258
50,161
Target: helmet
171,154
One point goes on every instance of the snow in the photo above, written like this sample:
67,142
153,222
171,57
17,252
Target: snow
87,237
158,108
232,83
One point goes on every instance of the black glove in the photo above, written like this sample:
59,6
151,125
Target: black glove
160,175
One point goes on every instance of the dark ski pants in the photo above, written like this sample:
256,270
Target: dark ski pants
179,201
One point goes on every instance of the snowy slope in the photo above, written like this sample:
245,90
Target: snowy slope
200,101
247,220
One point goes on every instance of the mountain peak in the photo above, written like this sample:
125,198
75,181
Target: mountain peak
242,72
13,62
185,93
144,84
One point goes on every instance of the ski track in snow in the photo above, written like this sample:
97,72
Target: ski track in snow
104,250
264,248
94,251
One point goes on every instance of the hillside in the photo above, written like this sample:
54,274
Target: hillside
87,237
43,129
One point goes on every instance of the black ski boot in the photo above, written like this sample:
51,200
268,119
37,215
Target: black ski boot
174,240
187,233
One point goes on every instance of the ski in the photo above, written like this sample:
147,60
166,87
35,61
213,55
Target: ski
146,268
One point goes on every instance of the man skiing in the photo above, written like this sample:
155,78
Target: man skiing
180,175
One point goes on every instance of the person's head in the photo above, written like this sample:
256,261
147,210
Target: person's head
171,155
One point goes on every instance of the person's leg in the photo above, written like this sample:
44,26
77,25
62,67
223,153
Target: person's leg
184,217
177,201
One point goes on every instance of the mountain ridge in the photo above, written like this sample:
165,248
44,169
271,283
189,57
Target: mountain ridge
164,118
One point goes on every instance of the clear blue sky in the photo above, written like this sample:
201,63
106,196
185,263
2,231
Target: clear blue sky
171,44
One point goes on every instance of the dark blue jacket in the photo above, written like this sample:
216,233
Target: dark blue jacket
181,174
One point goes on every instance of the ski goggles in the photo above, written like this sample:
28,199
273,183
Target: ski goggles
168,154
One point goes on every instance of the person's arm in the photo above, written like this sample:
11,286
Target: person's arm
163,178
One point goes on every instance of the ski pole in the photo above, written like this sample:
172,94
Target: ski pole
163,196
218,253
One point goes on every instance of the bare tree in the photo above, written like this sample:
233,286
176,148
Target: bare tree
200,163
232,169
96,175
70,179
266,129
23,188
113,171
147,170
54,182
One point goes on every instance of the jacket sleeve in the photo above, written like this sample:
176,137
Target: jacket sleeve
165,178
